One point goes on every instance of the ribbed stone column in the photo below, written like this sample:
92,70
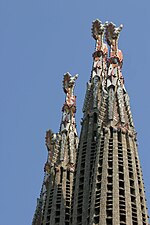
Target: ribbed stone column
76,184
103,199
137,195
141,186
52,220
115,180
95,182
126,181
87,172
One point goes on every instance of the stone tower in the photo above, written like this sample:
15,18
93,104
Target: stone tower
108,186
53,206
104,179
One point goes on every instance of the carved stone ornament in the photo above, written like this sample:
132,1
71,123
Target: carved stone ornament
112,36
121,104
66,119
47,168
112,32
111,103
63,144
68,86
50,138
98,28
98,32
69,83
95,91
87,95
71,167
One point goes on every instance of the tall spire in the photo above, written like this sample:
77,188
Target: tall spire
68,124
108,186
54,204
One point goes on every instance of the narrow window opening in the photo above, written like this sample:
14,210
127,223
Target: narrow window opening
57,220
95,117
119,136
97,211
57,213
109,221
61,175
111,132
67,217
68,175
79,219
94,136
109,213
122,218
96,219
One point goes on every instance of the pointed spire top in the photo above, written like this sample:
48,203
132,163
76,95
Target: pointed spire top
98,28
112,32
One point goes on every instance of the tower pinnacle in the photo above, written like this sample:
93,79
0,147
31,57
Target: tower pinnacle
101,50
55,199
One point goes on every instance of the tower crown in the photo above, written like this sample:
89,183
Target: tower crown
112,32
98,28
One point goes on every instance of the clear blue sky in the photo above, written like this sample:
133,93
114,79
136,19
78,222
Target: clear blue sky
40,40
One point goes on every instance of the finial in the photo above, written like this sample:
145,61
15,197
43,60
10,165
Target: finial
112,32
69,83
98,28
